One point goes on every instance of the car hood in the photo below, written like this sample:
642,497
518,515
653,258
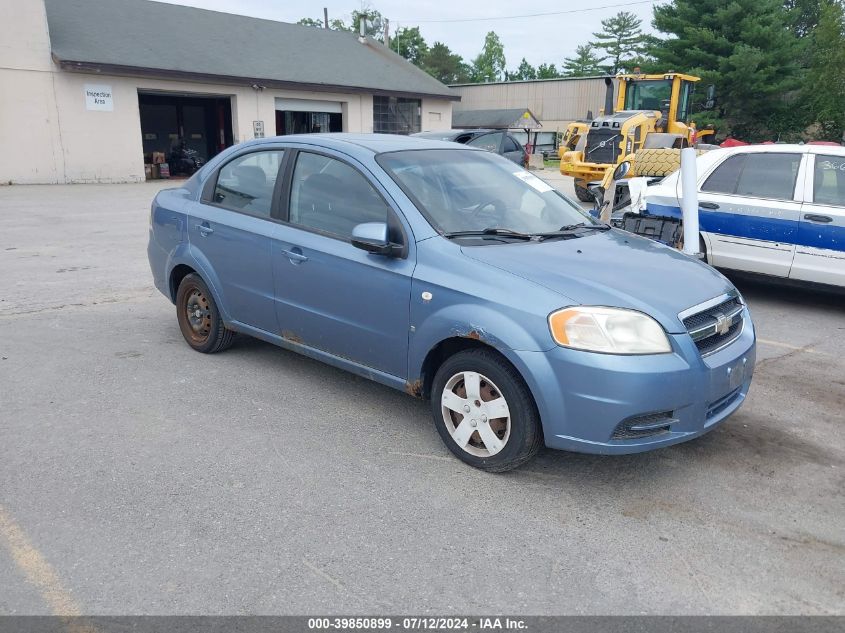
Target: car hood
611,268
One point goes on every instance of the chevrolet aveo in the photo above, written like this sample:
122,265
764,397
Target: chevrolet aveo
458,277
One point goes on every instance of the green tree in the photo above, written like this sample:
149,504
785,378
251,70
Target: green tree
335,24
547,71
445,66
311,22
523,71
804,15
375,22
410,44
621,41
746,49
583,64
824,88
490,64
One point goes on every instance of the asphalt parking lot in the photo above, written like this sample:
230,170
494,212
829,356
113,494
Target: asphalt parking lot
137,476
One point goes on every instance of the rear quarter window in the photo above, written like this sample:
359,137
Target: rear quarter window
829,180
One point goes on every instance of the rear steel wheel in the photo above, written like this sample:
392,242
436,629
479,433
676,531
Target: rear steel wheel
198,316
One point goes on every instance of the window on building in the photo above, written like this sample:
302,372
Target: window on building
829,180
396,115
332,197
247,182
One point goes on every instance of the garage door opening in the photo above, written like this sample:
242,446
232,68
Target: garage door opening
306,116
181,133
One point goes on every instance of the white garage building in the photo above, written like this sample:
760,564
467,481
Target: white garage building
89,89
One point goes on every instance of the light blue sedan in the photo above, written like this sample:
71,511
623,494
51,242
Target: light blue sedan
456,276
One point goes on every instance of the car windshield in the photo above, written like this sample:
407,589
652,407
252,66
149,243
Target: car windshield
472,191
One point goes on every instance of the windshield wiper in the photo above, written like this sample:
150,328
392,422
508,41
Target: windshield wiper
572,230
492,233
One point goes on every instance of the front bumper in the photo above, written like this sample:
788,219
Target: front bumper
585,398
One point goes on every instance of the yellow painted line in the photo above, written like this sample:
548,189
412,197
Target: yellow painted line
796,348
37,570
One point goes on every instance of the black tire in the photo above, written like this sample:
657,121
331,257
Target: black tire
199,319
583,194
525,436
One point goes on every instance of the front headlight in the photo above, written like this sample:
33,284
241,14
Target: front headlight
608,330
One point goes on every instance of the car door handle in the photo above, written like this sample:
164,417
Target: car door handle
812,217
708,205
295,255
204,229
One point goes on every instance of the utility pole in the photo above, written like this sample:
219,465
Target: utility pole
325,17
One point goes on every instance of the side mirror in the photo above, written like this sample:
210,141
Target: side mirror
373,237
621,170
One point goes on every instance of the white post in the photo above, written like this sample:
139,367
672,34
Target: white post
689,201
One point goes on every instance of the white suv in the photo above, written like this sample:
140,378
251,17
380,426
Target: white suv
771,209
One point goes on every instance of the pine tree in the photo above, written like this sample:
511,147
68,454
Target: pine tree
583,64
547,71
747,49
523,71
824,89
445,66
621,40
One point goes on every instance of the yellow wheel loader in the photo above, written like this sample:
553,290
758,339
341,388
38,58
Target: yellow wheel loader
652,112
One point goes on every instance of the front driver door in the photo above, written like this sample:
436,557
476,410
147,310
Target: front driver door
331,295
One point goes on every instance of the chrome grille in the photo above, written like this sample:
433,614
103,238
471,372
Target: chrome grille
714,327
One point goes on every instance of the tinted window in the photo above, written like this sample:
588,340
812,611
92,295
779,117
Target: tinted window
829,180
490,142
330,196
510,145
726,176
247,182
769,176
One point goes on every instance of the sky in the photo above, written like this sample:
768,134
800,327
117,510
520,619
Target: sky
541,39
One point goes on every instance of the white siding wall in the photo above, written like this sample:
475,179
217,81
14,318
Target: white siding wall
47,135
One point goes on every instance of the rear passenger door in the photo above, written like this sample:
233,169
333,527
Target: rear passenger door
492,142
750,213
230,231
513,151
331,295
820,246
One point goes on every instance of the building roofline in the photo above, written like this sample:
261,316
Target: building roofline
529,81
160,73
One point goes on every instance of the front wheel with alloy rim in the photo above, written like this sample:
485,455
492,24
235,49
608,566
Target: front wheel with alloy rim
198,316
484,412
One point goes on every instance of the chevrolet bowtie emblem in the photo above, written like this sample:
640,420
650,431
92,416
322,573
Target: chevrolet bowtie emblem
723,323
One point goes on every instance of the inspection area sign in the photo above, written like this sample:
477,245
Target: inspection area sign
98,97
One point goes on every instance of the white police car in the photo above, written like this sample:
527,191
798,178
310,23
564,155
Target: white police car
772,209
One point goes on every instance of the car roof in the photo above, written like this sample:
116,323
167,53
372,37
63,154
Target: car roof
783,148
354,143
